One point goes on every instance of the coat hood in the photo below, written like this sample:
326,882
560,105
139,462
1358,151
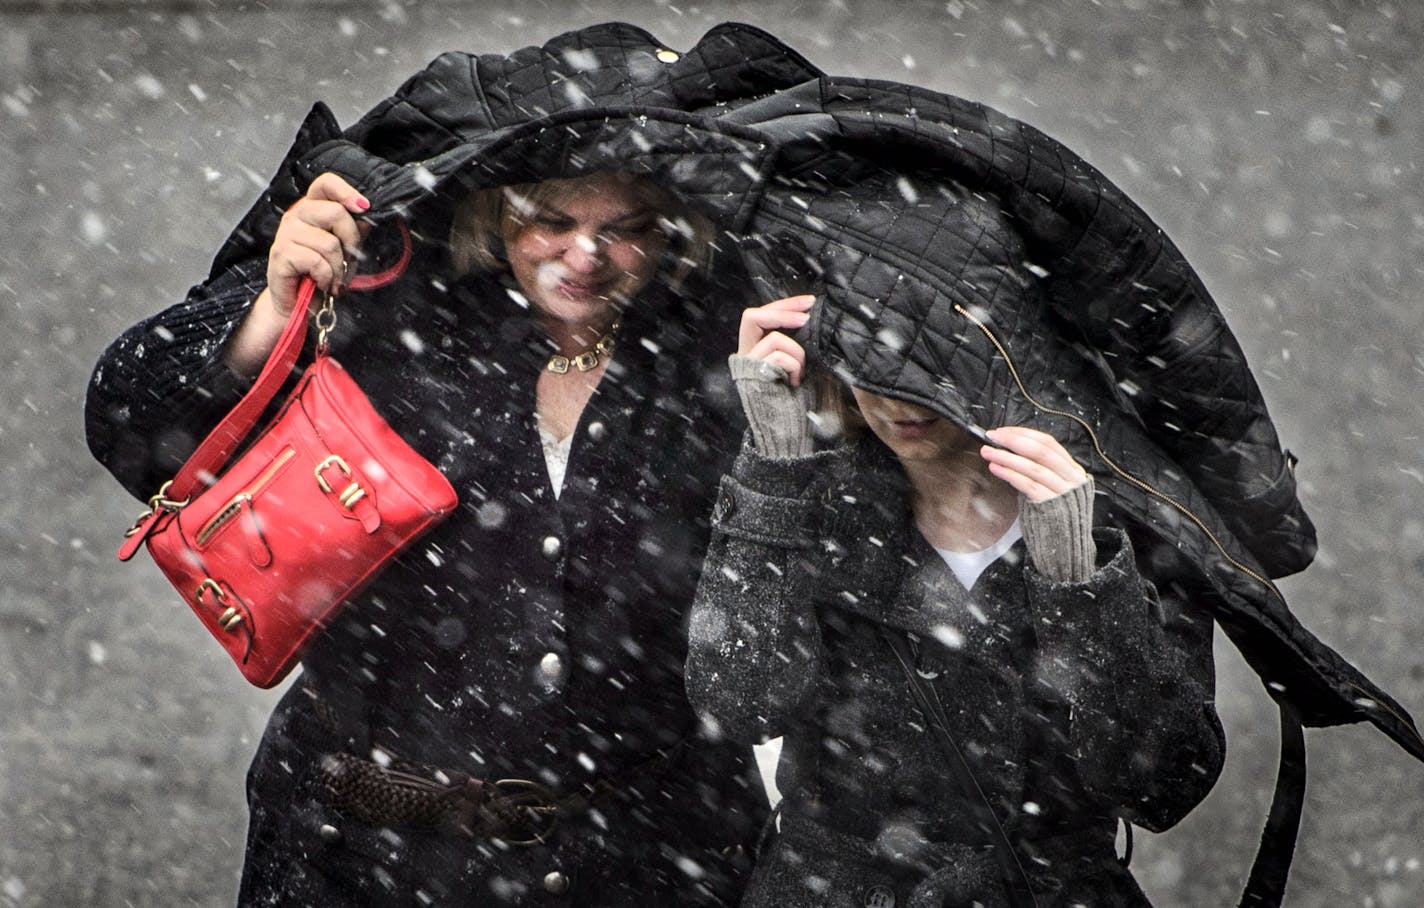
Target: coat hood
964,260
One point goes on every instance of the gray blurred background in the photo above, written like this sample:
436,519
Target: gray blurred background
1277,142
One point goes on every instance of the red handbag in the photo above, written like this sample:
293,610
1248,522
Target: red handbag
321,501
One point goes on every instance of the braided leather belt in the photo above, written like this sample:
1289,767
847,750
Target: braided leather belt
414,795
401,793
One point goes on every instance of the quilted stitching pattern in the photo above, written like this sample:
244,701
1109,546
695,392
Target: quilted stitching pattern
911,204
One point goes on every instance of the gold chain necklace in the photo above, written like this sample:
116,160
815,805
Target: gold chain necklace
587,360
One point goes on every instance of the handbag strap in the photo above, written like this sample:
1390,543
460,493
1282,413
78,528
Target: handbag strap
1015,880
209,458
223,440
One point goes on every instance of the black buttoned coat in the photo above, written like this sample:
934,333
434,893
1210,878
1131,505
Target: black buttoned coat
528,637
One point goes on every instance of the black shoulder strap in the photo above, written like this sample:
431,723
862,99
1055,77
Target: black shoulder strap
1015,879
1267,884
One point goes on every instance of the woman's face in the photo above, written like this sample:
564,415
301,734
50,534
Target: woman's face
911,431
585,250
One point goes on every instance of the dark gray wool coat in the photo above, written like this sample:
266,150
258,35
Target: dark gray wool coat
1075,703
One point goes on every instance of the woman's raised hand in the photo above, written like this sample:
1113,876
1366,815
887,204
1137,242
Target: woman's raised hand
763,334
1033,462
317,236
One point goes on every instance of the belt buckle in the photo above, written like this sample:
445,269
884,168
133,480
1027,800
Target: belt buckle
527,808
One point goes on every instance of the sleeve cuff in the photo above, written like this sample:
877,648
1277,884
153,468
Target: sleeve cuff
1106,611
1059,533
776,412
771,500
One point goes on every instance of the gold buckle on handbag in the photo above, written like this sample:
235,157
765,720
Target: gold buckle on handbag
159,502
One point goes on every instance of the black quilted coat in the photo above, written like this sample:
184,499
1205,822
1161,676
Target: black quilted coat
965,260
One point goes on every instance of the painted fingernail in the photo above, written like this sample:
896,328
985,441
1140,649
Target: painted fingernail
363,203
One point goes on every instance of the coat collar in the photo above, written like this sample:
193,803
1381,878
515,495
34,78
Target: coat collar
881,568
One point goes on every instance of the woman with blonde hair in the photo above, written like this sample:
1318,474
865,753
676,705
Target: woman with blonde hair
500,717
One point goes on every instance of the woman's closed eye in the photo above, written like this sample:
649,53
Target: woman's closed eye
554,223
634,228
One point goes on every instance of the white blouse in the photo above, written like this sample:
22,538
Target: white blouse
967,566
556,457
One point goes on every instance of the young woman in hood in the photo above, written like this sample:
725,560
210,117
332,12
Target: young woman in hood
548,349
918,590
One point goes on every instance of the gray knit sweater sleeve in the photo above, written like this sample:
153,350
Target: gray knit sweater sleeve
775,411
1059,534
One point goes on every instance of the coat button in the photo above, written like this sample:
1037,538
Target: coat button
553,547
551,666
597,431
329,834
726,505
879,897
556,882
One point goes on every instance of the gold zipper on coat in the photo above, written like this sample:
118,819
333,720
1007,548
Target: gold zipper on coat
234,506
1098,449
1366,699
